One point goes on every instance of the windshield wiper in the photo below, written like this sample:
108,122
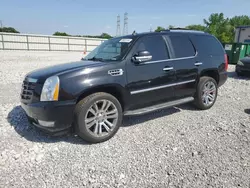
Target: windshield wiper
96,59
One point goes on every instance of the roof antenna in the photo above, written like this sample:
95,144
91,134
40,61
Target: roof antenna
134,33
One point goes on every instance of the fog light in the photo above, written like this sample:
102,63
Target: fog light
46,123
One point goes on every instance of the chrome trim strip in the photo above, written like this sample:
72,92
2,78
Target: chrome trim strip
198,63
30,79
144,57
166,60
151,62
168,68
161,87
116,72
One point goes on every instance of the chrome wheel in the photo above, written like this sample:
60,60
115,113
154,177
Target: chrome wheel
208,93
101,118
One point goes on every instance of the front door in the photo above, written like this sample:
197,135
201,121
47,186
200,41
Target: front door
185,63
150,81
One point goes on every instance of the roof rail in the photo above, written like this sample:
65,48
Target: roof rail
185,30
182,30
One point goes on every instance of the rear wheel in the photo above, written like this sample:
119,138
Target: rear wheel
206,93
98,117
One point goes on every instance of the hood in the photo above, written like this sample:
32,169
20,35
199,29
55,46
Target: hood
44,73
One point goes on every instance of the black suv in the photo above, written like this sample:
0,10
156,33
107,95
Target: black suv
128,75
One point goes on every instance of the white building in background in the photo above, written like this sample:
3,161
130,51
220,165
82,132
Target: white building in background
242,34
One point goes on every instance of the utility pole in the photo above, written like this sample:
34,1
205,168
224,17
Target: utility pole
118,26
1,24
125,27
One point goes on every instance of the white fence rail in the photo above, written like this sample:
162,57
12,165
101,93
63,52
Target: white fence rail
13,41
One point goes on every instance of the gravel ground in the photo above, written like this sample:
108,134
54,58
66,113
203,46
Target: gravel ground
176,147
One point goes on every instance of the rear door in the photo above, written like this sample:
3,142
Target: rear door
185,64
150,81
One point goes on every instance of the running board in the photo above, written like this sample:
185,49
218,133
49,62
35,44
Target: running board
158,107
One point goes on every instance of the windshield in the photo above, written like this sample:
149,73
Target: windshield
110,50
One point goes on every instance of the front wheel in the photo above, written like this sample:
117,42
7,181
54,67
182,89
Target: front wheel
206,93
98,117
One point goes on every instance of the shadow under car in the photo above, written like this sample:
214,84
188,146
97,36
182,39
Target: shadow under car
18,119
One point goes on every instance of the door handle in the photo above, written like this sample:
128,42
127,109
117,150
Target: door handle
198,63
168,68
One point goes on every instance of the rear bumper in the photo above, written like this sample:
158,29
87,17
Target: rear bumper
52,117
222,78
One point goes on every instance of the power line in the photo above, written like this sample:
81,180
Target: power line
150,29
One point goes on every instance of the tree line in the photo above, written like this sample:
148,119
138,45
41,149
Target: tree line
8,30
103,35
218,25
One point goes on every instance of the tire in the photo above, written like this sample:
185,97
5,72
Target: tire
200,101
239,74
86,115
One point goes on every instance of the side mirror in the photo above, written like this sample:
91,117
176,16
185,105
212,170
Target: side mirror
141,57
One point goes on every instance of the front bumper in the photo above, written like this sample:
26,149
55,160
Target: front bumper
52,117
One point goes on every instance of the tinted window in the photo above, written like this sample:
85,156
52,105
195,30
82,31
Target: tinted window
111,50
155,45
207,44
182,46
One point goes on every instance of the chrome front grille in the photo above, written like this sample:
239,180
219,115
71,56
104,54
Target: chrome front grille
27,90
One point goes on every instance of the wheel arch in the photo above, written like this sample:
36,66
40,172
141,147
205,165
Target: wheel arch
113,89
213,73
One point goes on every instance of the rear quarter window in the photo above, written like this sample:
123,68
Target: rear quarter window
207,45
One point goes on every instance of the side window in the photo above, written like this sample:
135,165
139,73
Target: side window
207,44
182,46
155,45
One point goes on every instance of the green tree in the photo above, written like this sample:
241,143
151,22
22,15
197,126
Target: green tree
9,30
237,21
159,28
219,26
60,34
170,27
105,36
196,27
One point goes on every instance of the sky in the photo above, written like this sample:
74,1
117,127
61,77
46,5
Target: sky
93,17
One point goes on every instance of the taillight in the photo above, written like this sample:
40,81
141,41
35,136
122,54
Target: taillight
226,62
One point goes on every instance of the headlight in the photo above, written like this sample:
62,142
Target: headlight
240,63
50,89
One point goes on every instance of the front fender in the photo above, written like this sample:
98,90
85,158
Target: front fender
75,84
